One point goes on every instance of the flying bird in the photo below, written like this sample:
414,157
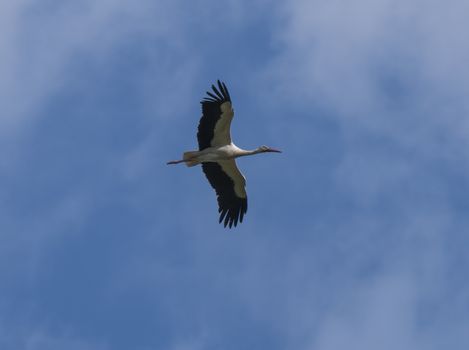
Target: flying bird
217,155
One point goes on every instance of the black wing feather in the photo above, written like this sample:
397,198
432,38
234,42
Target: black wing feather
213,97
224,90
231,207
220,96
211,113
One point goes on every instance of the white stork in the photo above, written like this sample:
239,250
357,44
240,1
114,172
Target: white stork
217,155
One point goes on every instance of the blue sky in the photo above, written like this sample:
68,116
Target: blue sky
356,235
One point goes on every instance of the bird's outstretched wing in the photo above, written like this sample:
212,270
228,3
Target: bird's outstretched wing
229,184
217,113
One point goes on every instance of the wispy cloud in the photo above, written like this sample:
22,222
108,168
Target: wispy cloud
41,340
373,63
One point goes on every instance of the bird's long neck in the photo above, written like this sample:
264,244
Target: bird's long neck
243,152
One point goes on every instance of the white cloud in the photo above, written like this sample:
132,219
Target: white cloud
377,316
375,283
43,341
40,340
28,336
397,67
39,42
385,314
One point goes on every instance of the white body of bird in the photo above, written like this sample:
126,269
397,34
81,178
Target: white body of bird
215,154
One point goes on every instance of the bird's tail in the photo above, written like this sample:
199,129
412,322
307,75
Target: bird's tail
190,158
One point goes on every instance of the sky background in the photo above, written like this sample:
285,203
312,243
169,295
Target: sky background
356,237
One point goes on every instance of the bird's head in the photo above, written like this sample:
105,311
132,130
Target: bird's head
268,149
